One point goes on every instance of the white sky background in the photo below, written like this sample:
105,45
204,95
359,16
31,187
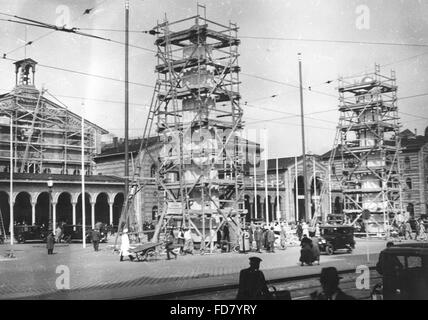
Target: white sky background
389,21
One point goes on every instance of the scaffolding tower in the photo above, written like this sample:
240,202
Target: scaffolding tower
196,113
368,146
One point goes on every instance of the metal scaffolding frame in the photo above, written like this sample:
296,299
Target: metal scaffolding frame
368,143
197,114
46,136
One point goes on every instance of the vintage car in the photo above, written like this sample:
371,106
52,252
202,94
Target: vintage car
404,270
74,232
25,233
336,237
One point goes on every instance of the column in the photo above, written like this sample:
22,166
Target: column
54,216
33,213
110,204
93,214
73,204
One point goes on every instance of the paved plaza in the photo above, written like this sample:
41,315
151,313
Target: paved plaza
100,275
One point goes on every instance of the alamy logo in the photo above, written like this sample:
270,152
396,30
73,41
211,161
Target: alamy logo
63,281
363,19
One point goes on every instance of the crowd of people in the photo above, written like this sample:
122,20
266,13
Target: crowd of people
405,231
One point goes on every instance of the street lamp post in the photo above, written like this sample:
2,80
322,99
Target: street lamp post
50,185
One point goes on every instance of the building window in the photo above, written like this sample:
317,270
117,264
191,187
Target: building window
153,170
407,163
154,212
409,183
333,169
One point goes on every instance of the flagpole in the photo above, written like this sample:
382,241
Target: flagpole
83,178
255,187
278,213
315,186
266,182
302,120
11,213
296,190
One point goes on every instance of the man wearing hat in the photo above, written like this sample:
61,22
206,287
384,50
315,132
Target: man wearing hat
252,283
330,286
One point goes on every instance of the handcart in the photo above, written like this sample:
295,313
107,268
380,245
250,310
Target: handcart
145,250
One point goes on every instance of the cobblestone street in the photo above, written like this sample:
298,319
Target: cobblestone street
100,275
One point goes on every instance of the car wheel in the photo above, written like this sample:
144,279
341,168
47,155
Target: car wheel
350,250
329,250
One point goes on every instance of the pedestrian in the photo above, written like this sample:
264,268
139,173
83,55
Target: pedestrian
250,237
226,236
252,283
124,246
305,229
271,240
265,237
50,242
180,238
96,237
317,230
306,255
58,234
188,241
330,286
299,230
169,244
407,230
283,237
220,239
315,248
258,237
422,231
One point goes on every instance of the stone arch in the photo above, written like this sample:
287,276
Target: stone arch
79,215
22,209
102,207
5,209
118,202
64,208
42,208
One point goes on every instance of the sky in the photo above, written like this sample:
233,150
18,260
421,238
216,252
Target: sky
272,33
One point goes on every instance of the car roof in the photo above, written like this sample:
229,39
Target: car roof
325,226
408,249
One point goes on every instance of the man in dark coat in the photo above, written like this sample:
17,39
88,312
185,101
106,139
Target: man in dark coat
50,242
258,237
252,283
330,286
96,237
271,240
